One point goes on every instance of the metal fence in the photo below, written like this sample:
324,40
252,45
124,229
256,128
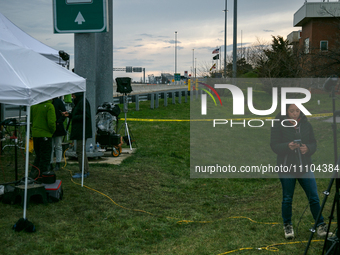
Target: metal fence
169,96
172,96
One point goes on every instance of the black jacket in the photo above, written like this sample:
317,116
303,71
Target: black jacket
77,119
59,107
281,136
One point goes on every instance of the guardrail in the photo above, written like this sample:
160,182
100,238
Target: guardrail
172,96
154,97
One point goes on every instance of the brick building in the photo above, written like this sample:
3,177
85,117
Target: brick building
318,41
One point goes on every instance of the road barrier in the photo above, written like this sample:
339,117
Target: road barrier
154,97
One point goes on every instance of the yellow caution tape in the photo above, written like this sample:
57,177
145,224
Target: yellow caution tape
259,118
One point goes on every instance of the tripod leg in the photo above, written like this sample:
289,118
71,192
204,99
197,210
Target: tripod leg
321,209
329,224
120,128
128,134
131,135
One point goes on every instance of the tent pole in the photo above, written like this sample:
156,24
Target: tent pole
83,156
27,156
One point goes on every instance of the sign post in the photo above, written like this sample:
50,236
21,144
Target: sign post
89,21
80,16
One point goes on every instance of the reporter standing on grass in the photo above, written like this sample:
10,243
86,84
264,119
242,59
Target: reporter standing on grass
77,129
296,154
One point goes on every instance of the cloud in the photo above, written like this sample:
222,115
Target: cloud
243,44
119,48
147,35
268,31
172,41
205,48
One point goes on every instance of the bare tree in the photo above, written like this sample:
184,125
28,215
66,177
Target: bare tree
205,70
256,52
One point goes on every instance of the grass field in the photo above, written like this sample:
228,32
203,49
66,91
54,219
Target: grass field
150,205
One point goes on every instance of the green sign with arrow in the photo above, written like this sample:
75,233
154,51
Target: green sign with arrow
80,16
177,76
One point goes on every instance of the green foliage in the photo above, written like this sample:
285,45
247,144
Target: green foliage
250,74
242,68
280,61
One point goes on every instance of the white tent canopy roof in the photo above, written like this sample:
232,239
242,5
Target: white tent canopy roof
11,33
27,78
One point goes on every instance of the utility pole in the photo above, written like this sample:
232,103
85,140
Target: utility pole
193,63
175,51
195,68
220,57
235,41
225,40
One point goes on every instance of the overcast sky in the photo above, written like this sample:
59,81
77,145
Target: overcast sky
144,30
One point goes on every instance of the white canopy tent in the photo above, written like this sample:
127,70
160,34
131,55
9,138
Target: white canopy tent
27,78
11,33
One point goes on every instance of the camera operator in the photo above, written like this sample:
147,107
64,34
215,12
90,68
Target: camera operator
77,129
60,131
294,147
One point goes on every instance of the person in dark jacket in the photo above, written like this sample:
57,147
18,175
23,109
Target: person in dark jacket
43,126
77,129
57,137
294,143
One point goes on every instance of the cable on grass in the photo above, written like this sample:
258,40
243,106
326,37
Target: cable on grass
179,221
271,247
232,217
137,210
241,249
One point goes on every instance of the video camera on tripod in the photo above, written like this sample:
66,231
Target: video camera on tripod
124,87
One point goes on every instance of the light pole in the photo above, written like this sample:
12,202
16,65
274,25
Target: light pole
235,41
195,68
225,40
193,63
175,52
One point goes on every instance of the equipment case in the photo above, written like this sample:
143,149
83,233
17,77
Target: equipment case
54,191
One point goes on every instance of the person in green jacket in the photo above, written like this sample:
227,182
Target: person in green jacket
43,121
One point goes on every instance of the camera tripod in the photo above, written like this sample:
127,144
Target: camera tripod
332,244
127,132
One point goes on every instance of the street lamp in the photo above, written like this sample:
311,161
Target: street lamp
193,65
235,41
175,51
225,39
195,68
